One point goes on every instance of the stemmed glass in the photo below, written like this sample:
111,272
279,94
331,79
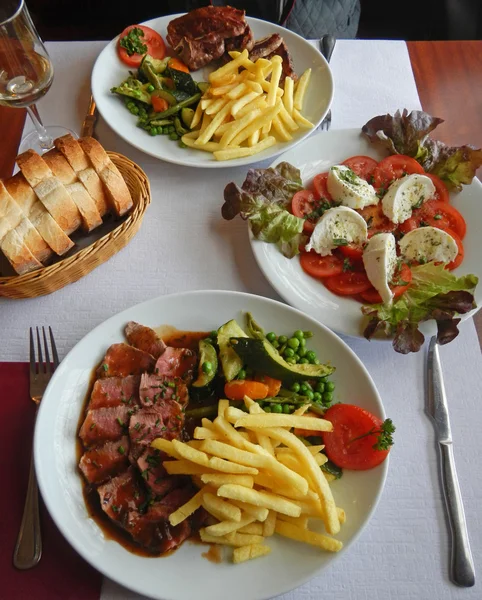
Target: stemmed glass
26,72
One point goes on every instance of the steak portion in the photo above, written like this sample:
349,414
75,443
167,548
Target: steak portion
154,388
108,460
121,360
105,425
265,47
115,391
144,338
176,362
164,420
155,475
122,496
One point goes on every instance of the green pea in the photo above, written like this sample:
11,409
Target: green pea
320,387
305,387
271,336
165,130
242,374
153,130
309,394
290,360
289,352
302,342
286,409
308,334
316,361
150,88
329,386
207,367
298,334
327,397
130,104
173,136
293,343
296,356
316,397
275,344
134,110
303,361
310,355
295,387
171,128
282,339
267,408
301,351
276,408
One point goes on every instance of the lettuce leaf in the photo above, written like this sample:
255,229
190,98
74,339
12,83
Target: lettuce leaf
408,133
434,293
263,200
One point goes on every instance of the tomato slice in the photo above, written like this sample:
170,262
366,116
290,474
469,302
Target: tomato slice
352,251
321,266
363,166
319,185
154,42
393,167
441,191
437,214
376,221
304,205
341,447
371,296
348,284
460,256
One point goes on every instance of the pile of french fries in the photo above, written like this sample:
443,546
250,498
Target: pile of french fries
256,478
244,110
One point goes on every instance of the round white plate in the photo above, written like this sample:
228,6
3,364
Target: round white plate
185,574
109,71
343,315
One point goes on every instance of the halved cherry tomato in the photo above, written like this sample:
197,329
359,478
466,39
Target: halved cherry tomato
319,185
154,42
321,266
342,447
274,385
238,389
437,214
373,297
303,205
352,251
348,284
178,65
376,221
159,104
363,166
441,191
393,167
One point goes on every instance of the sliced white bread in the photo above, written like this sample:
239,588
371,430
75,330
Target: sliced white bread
77,159
17,253
118,193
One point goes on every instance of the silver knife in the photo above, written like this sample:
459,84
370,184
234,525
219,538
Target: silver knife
90,120
461,563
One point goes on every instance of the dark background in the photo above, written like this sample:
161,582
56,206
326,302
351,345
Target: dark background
380,19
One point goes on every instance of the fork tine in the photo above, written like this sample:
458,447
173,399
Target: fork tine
40,356
48,365
54,348
33,369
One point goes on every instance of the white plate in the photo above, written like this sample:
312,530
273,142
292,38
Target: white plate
109,71
185,574
343,315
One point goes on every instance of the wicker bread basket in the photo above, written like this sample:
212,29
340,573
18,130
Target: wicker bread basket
51,278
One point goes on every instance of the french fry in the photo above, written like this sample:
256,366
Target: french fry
269,524
301,120
216,106
281,420
230,67
288,95
299,94
236,126
225,527
260,513
241,102
255,86
222,89
186,510
165,446
301,521
219,479
308,537
301,410
243,539
259,498
287,119
202,433
221,509
223,405
266,116
254,528
238,91
244,553
196,119
215,463
280,130
184,467
207,147
235,152
236,455
341,515
273,87
254,138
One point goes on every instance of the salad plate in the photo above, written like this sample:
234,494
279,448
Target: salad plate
343,314
109,72
290,563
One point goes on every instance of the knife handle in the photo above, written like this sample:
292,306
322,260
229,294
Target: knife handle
461,564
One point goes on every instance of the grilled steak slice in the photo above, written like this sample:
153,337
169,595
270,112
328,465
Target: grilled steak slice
121,360
105,425
165,420
155,475
198,37
176,362
115,391
122,496
144,338
154,388
245,41
108,460
265,47
288,68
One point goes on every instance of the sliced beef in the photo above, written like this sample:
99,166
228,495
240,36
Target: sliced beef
155,475
288,67
198,37
176,362
115,391
121,497
105,424
245,41
102,462
265,47
165,420
144,338
122,360
154,388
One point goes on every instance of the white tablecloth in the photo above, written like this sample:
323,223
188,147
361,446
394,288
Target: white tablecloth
185,245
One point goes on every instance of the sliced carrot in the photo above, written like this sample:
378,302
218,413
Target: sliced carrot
178,65
274,385
307,432
237,390
159,104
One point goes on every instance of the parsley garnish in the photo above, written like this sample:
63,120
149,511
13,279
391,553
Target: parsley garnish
347,266
105,366
384,433
340,242
132,42
121,450
437,217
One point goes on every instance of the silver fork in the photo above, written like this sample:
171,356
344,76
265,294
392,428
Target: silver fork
28,549
327,45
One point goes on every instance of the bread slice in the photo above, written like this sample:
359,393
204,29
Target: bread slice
117,191
77,159
88,210
17,253
38,215
50,191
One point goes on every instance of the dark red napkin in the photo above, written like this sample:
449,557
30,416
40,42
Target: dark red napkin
61,573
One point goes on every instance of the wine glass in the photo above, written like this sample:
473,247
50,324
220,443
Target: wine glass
26,72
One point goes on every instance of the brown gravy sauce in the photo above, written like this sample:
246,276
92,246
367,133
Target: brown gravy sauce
178,339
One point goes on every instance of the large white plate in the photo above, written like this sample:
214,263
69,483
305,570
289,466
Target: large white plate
340,314
109,71
186,574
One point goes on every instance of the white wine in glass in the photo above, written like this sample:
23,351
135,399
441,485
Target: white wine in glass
26,72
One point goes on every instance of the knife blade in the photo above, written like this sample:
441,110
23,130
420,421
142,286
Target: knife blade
89,120
462,571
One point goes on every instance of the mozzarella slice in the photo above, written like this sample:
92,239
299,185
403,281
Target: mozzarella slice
337,227
404,195
349,189
429,243
380,261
